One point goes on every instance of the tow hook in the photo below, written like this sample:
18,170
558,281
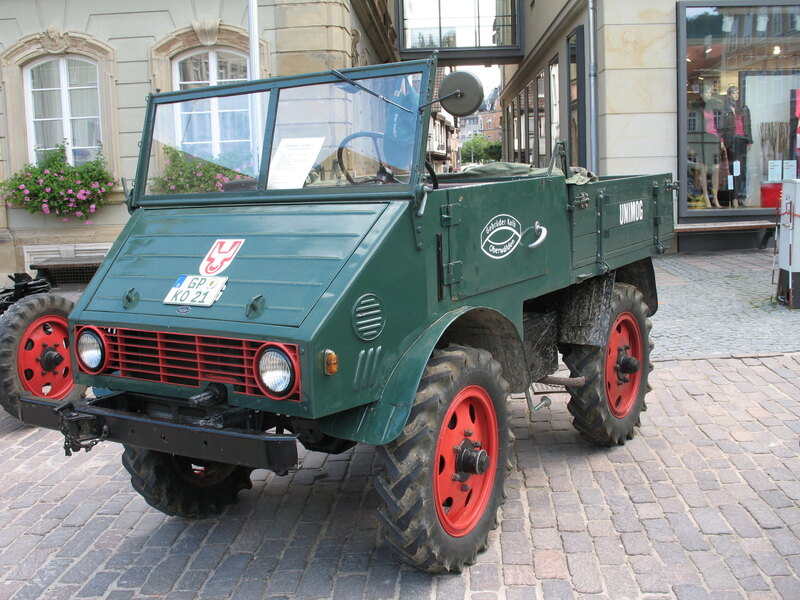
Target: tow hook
80,431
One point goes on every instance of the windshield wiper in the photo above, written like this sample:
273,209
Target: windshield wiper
353,82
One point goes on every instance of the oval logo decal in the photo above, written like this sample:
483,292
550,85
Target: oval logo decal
500,236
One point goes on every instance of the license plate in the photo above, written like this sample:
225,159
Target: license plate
195,290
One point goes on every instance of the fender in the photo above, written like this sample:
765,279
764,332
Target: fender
382,421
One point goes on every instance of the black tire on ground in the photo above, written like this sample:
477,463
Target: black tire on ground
184,487
607,407
435,511
34,352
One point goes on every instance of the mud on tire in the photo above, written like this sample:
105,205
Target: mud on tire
35,358
435,512
184,487
607,407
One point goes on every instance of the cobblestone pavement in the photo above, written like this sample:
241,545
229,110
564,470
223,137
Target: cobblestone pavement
703,503
721,304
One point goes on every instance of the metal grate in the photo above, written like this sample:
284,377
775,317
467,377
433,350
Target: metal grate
187,360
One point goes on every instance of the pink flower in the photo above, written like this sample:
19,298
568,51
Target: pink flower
102,190
27,192
88,222
9,205
47,171
45,209
70,192
172,187
78,213
22,186
41,181
92,208
65,219
27,174
219,175
82,195
77,182
48,190
95,185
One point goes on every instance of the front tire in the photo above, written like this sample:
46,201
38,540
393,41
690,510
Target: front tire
184,487
441,481
606,409
35,359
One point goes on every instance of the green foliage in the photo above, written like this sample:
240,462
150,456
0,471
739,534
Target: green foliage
186,174
494,150
474,150
58,188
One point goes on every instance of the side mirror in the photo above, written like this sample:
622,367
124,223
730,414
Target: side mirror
461,93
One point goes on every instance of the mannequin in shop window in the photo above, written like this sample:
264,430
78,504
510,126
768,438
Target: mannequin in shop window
737,139
708,152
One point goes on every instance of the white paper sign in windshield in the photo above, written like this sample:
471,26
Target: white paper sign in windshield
292,162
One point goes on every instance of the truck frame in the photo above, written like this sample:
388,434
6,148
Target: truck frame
293,270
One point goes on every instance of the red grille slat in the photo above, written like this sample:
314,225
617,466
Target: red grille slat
186,360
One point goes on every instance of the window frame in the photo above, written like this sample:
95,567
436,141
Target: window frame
66,104
47,44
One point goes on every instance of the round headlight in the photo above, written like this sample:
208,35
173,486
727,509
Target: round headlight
91,350
275,370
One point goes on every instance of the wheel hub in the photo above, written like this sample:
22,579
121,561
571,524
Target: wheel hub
51,358
626,365
471,459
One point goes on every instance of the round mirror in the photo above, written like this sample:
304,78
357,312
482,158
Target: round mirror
467,93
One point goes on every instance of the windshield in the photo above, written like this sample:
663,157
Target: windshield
343,133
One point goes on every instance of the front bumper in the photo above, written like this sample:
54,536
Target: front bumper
87,422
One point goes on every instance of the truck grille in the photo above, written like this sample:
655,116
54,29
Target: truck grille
186,360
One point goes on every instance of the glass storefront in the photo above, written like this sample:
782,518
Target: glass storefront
742,103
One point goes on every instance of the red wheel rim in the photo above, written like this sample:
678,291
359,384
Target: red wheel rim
44,364
624,342
461,497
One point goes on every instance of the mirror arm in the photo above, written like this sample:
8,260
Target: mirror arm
457,94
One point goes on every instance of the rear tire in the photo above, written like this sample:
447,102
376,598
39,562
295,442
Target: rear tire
441,481
184,487
606,409
35,359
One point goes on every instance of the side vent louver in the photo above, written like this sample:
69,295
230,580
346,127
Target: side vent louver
368,317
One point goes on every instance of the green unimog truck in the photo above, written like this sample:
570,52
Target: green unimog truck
294,270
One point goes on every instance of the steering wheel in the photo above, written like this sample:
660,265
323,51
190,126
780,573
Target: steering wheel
383,175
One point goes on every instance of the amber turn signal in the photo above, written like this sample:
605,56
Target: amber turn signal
331,362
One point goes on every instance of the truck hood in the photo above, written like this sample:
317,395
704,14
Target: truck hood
288,256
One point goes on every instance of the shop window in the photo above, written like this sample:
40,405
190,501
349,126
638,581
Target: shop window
63,107
739,117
